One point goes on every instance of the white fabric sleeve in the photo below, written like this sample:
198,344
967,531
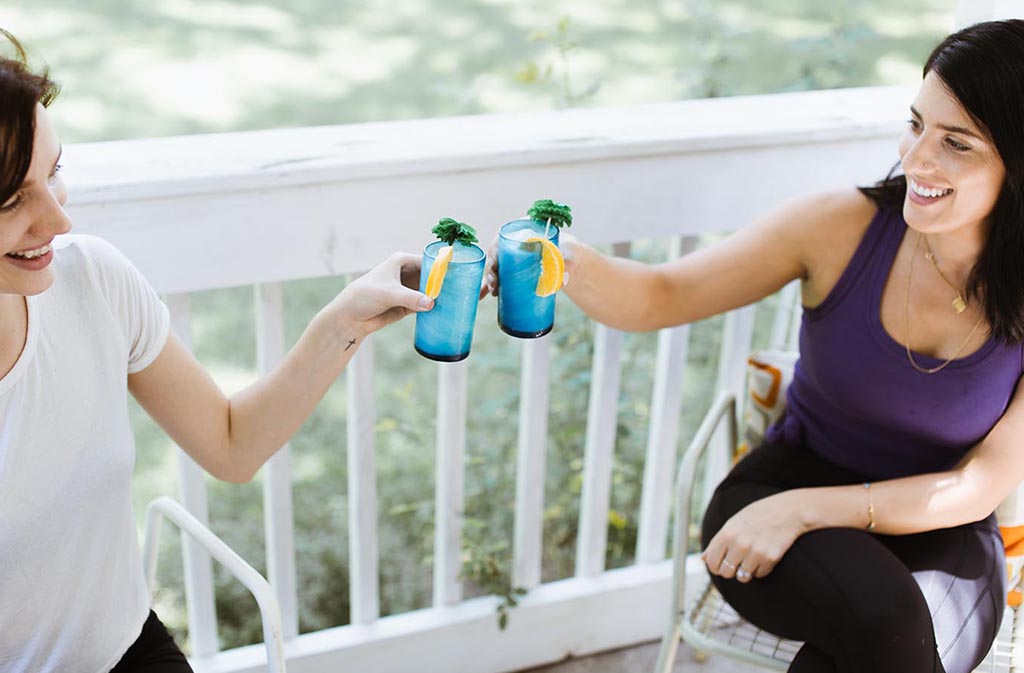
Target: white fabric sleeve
137,309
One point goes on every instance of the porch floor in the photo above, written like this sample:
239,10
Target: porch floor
641,659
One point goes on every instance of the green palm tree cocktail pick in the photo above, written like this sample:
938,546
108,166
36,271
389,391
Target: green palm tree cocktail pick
451,232
553,213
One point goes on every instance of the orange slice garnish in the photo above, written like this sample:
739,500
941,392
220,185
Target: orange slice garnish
435,279
552,267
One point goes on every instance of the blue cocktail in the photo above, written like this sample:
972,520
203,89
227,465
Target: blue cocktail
445,332
521,312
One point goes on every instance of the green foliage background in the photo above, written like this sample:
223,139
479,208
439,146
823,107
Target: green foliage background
132,68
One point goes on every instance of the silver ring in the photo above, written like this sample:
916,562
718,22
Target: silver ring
725,562
742,574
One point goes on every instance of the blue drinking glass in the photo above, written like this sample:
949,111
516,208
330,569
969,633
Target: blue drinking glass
444,333
521,312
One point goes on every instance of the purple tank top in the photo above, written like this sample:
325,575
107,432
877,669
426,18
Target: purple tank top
855,399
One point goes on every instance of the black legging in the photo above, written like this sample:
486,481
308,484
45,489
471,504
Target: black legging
153,652
925,603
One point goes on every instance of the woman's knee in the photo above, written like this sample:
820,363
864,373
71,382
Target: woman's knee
842,590
899,614
728,499
880,618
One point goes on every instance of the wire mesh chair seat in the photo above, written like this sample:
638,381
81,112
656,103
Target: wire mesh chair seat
711,625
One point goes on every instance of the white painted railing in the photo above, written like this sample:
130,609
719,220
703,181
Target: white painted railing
261,208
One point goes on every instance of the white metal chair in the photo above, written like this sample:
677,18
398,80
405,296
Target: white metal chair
270,612
708,624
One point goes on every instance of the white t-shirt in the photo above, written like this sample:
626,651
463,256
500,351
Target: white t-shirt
72,592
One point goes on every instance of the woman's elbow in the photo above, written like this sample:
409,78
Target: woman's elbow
232,469
663,302
236,476
980,497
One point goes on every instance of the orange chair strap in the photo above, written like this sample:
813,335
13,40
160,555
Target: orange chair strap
772,397
1013,540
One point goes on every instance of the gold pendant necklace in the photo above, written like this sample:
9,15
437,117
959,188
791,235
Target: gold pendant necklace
959,305
906,320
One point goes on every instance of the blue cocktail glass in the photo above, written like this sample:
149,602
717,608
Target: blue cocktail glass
445,332
521,312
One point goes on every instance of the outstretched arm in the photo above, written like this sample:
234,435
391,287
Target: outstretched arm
743,268
232,438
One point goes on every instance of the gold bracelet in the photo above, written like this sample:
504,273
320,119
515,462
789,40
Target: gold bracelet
871,508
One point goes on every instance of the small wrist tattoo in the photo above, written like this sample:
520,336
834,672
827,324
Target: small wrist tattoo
350,344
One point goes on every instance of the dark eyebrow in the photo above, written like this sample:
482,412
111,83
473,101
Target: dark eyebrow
60,153
951,129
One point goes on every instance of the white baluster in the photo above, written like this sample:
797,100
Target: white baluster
278,519
532,449
449,507
364,582
602,417
663,433
732,371
199,598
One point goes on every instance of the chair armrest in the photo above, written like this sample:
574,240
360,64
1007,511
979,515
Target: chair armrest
270,612
724,408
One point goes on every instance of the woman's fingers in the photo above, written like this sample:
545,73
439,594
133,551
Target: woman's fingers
727,569
489,286
729,560
411,300
401,283
753,567
491,274
765,569
714,554
408,269
716,559
747,571
393,284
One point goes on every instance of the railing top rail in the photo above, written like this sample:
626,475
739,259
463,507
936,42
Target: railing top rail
224,210
258,160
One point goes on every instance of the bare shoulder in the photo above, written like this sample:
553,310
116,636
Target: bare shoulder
819,228
830,226
829,215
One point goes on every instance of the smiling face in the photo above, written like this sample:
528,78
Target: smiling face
31,218
954,173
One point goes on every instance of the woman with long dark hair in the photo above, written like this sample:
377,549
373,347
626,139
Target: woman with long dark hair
863,525
80,328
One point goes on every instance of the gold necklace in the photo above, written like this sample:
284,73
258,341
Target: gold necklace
906,320
959,305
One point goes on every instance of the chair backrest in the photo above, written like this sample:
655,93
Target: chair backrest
1010,515
266,599
769,373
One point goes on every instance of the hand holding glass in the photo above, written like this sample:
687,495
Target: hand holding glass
445,332
521,312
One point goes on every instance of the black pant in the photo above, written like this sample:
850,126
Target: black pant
153,652
925,603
